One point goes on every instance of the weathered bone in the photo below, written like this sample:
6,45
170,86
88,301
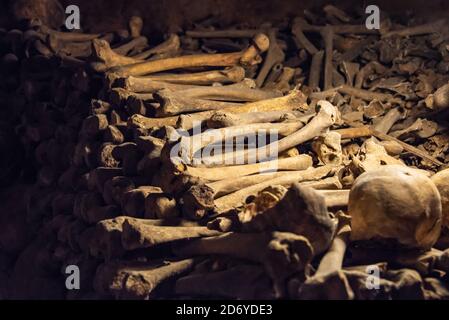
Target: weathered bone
330,183
191,145
300,210
327,115
315,69
295,100
169,47
242,281
227,119
227,186
107,239
274,55
139,121
219,173
328,34
330,264
350,70
364,94
173,103
433,27
251,56
68,36
135,43
366,70
133,201
199,199
108,57
233,92
230,75
136,235
232,33
135,26
302,39
136,280
201,60
372,156
335,198
236,199
328,148
132,85
337,29
281,253
333,11
439,100
421,127
392,116
282,83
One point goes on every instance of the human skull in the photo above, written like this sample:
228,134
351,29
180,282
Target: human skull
395,203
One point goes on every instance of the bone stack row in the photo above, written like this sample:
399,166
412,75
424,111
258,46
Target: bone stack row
99,116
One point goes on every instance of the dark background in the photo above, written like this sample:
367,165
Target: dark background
169,15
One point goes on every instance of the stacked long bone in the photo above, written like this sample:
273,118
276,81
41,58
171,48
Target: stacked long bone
143,225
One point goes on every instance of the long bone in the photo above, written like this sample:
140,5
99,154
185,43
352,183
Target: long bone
282,83
68,36
108,57
125,48
433,27
173,104
273,56
130,86
242,281
219,173
248,56
137,235
191,145
233,92
302,39
227,186
281,253
227,119
231,33
230,75
328,34
326,117
199,198
106,241
169,47
337,29
315,69
137,280
335,198
364,94
366,70
236,199
392,116
330,264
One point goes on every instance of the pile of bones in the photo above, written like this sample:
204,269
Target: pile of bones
149,178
